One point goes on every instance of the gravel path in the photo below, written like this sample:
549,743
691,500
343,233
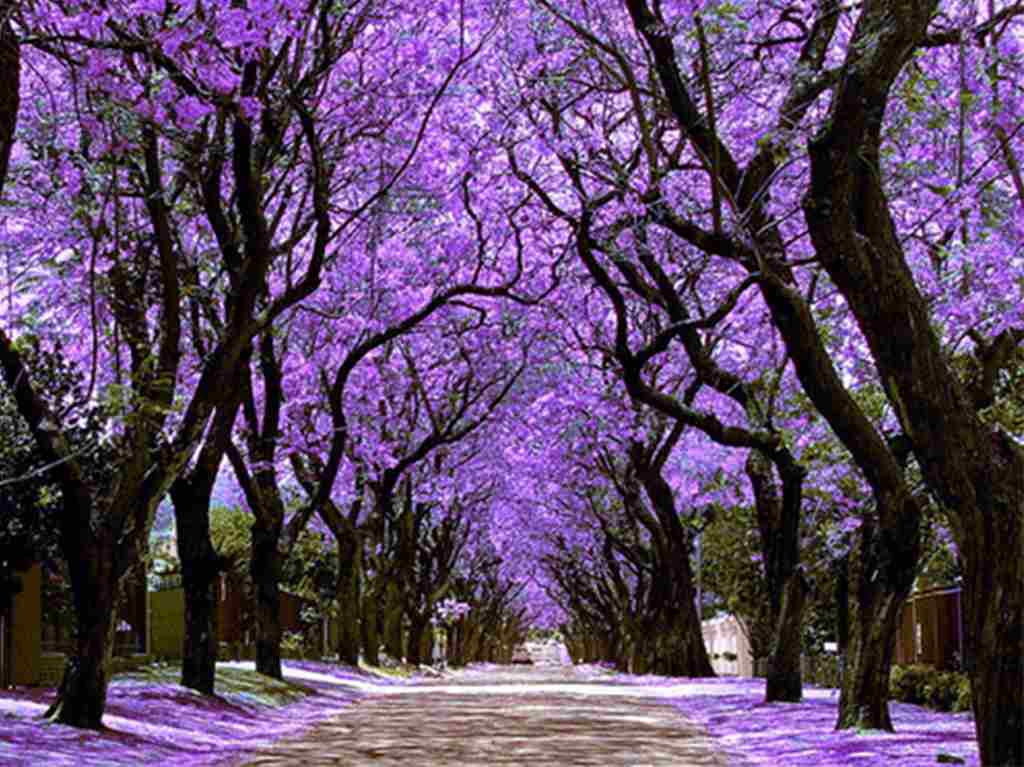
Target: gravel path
540,715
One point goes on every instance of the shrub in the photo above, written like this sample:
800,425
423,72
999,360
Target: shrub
940,691
924,685
906,683
963,694
292,645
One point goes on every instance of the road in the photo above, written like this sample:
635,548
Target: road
547,714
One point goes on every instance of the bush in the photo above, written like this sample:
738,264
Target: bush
292,645
963,694
906,683
924,685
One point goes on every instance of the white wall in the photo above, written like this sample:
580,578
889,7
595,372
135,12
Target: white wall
722,635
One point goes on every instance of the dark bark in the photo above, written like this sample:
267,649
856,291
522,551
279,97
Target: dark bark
418,626
680,650
202,632
370,629
429,645
784,681
841,571
993,604
10,86
778,518
200,568
266,577
201,565
349,596
82,694
452,646
349,547
392,619
882,574
256,472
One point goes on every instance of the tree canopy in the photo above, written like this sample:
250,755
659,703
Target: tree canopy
515,302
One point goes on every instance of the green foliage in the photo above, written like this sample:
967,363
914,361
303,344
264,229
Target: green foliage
30,499
822,670
926,686
231,533
732,573
307,572
293,645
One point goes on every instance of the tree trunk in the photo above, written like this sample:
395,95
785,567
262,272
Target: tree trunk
993,605
200,563
456,657
349,598
863,701
10,87
778,521
974,469
639,655
680,648
266,577
429,644
881,573
82,695
202,632
393,615
472,645
417,629
370,630
200,568
784,682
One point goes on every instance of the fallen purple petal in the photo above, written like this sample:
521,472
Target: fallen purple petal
801,734
162,722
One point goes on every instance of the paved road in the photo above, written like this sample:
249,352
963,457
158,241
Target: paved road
541,715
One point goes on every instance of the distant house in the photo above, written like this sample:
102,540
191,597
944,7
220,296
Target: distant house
930,633
20,632
728,646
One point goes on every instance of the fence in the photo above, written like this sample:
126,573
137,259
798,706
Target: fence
235,623
930,633
931,630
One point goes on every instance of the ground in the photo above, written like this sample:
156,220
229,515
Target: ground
546,714
539,715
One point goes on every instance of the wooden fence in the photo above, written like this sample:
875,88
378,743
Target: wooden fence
931,630
930,633
235,623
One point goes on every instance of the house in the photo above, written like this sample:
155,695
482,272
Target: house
20,631
728,646
930,633
35,640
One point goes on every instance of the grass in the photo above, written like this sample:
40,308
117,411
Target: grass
398,672
151,719
232,684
